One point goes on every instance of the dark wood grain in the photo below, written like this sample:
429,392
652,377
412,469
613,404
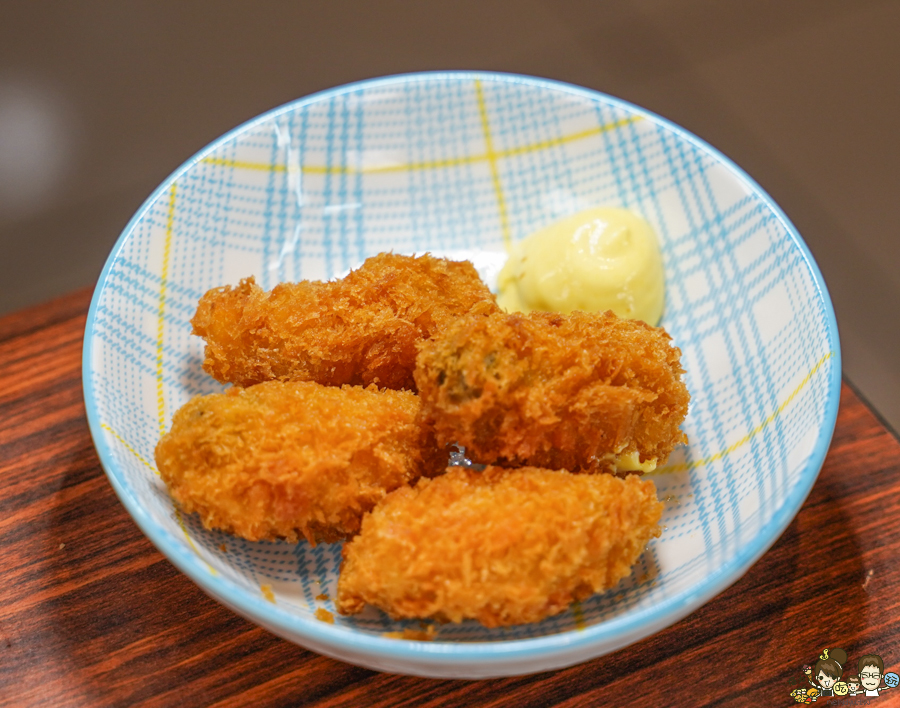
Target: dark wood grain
92,615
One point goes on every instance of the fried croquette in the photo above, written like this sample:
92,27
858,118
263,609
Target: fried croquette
501,546
583,392
291,459
360,330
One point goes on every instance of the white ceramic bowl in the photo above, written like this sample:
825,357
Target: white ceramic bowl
455,164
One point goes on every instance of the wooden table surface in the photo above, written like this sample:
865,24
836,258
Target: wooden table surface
91,614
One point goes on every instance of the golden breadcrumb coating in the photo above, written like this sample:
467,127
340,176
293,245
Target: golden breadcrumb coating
501,546
291,459
362,329
557,391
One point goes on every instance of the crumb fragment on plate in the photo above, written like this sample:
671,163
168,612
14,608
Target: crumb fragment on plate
427,633
324,615
267,593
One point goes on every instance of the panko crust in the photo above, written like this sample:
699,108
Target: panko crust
556,391
291,459
360,330
502,546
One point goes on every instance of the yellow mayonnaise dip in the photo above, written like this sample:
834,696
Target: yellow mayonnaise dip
596,260
630,462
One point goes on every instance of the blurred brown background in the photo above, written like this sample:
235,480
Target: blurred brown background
99,101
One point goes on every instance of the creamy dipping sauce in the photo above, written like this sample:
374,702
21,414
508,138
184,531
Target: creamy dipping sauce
596,260
630,462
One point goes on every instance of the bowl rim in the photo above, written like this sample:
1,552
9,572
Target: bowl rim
596,639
